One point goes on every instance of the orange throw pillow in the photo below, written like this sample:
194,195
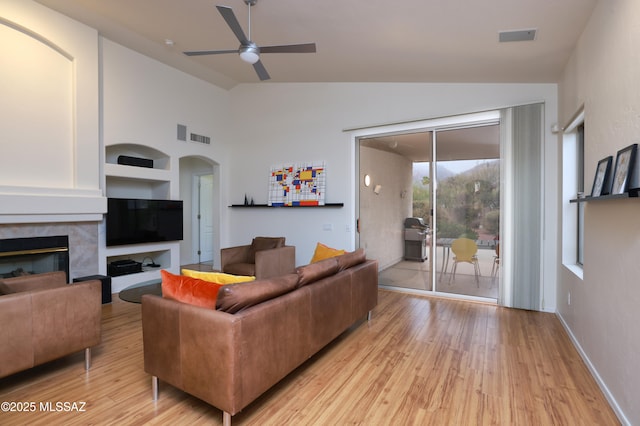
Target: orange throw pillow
189,290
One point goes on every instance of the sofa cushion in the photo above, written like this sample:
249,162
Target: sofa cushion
217,277
189,290
352,258
263,243
324,252
233,298
316,271
5,289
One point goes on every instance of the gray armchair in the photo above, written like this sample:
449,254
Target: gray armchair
265,257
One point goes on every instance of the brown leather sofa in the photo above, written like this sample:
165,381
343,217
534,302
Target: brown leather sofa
265,257
43,318
259,332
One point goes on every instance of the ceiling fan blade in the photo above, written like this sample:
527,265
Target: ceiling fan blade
289,48
209,52
232,22
261,71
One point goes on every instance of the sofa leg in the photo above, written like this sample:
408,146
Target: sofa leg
154,388
226,418
87,358
369,316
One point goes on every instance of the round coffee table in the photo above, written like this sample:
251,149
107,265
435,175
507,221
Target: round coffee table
134,292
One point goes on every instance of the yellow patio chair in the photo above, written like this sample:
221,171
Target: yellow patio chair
496,261
464,250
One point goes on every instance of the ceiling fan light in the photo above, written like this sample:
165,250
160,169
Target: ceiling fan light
249,54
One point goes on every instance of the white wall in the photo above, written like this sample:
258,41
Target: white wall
144,101
604,310
49,107
278,123
382,215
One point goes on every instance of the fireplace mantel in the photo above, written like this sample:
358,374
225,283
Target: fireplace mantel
46,205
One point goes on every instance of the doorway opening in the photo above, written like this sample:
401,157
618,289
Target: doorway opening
200,191
431,212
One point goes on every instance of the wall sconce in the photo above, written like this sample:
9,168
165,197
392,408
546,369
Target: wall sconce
377,189
367,180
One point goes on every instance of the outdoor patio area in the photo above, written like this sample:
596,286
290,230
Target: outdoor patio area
416,275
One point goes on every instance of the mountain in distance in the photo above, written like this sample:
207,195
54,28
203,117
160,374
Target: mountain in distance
422,169
466,167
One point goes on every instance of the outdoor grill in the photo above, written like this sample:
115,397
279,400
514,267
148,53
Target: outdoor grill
415,239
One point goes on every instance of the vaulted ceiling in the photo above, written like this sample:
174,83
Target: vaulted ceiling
357,40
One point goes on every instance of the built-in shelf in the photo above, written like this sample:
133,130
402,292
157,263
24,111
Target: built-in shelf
164,254
132,181
334,205
140,173
128,181
633,194
160,159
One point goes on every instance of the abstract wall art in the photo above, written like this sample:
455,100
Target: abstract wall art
299,184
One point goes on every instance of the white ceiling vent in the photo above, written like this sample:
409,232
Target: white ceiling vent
517,35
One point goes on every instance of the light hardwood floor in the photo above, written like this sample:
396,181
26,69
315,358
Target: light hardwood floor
420,361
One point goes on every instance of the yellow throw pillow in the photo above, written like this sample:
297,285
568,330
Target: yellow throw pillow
324,252
217,277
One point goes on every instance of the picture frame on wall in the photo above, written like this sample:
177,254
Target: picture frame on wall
602,179
625,160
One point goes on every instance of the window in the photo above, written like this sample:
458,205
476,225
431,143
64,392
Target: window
572,186
580,190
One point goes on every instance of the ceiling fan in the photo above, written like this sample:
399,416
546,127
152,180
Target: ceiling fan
248,50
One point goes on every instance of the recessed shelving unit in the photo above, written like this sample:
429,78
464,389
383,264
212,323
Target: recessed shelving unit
163,254
128,181
160,159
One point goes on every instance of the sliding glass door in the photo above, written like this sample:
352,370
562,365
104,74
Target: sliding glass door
394,221
402,177
467,231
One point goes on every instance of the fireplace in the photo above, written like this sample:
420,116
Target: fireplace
34,255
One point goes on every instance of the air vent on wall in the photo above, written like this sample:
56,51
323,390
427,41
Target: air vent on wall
517,35
182,132
200,138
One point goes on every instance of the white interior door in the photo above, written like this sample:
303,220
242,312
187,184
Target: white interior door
204,218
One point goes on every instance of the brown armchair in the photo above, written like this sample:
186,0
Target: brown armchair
265,257
44,318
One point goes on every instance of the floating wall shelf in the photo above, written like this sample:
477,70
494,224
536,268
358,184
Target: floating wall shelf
335,205
632,194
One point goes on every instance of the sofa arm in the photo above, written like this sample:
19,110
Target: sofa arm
42,325
237,254
41,281
194,349
66,319
275,262
16,346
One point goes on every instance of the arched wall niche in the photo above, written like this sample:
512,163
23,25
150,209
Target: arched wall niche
38,96
50,133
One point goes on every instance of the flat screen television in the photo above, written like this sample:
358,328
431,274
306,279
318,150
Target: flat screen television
135,221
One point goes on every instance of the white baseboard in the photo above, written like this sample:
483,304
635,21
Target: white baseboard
612,401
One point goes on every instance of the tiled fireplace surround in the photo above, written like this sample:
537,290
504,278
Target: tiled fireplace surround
83,242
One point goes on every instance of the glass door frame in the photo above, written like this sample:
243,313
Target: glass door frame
431,125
